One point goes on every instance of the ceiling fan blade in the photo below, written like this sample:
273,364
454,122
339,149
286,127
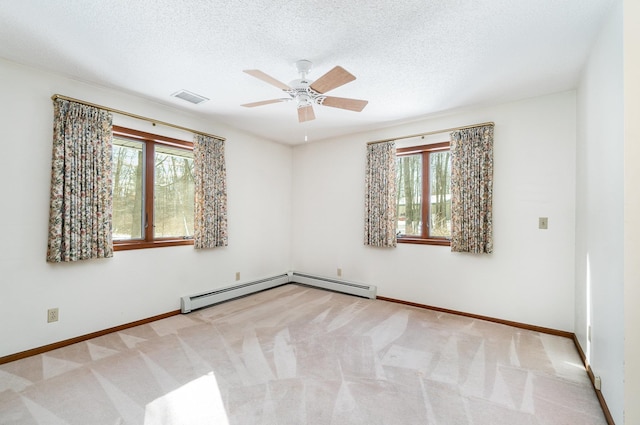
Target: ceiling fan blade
337,77
306,114
356,105
267,78
264,102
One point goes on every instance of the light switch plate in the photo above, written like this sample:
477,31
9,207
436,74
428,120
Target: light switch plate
543,223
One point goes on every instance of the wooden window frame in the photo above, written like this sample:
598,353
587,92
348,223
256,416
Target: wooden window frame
150,140
425,151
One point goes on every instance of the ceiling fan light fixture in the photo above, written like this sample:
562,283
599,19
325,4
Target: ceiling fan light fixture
304,100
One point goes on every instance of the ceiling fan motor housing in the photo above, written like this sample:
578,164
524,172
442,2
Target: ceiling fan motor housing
303,94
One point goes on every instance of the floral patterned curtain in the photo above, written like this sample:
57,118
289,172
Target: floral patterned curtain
472,190
380,195
210,192
80,206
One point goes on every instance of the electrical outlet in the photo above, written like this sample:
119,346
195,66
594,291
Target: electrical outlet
543,223
339,272
597,383
237,276
52,315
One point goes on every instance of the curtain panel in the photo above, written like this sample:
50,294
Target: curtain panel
380,195
472,190
80,203
210,215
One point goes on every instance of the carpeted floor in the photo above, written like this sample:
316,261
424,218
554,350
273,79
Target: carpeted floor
297,355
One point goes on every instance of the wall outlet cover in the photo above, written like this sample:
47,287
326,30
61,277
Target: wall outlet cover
52,315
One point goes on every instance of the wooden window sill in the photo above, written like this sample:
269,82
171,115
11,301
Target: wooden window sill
124,246
424,241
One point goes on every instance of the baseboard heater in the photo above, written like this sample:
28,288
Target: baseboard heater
358,289
206,299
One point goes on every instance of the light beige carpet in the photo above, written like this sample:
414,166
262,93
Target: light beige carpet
297,355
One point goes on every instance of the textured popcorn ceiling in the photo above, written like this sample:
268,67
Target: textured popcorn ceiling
411,58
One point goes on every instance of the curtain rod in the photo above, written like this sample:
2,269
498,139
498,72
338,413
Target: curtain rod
139,117
446,130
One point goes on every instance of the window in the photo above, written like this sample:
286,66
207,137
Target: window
153,190
423,176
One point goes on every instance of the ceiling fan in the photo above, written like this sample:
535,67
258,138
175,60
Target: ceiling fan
306,93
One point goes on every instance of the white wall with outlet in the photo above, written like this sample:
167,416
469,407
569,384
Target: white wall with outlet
608,233
600,212
97,294
530,276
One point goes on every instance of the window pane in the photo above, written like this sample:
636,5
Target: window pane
128,186
409,194
440,194
174,192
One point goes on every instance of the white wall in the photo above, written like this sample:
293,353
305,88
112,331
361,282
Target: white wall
631,212
97,294
530,276
599,218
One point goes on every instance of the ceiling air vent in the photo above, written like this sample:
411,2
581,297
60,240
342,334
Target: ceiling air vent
190,97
